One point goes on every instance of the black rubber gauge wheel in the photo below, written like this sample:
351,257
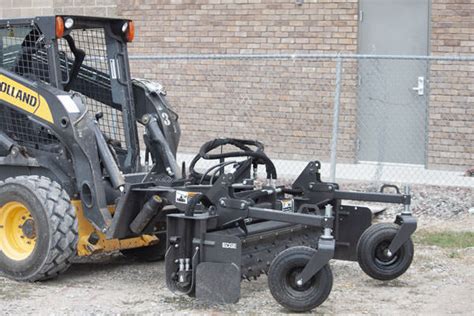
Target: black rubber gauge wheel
282,280
373,255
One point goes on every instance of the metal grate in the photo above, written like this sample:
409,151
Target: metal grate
93,80
23,51
26,132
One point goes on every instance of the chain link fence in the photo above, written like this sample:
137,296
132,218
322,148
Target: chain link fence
371,119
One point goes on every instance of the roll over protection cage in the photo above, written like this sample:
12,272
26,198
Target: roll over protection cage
66,64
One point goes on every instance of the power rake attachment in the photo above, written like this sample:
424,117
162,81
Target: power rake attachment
73,182
232,230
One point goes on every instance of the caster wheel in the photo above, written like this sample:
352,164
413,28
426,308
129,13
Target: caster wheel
373,257
282,280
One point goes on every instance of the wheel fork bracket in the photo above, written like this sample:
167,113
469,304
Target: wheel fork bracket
324,253
407,228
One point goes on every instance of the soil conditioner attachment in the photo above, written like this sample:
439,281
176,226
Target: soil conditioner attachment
75,180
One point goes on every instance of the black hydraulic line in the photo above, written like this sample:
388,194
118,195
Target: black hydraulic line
239,143
222,164
260,156
201,197
257,194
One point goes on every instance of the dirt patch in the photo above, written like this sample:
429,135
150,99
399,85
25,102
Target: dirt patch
437,283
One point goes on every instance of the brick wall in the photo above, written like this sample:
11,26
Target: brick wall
285,104
32,8
25,8
451,112
242,26
86,7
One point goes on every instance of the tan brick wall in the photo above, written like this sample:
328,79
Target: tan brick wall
25,8
242,26
86,7
451,112
32,8
285,104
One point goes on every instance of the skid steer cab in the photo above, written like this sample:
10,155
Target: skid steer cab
74,181
69,147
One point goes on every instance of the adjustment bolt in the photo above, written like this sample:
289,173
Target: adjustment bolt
242,206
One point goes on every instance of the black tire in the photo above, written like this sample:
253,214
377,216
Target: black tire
54,228
282,280
148,254
372,257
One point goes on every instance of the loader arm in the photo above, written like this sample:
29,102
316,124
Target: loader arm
68,120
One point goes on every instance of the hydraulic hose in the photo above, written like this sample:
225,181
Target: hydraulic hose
246,151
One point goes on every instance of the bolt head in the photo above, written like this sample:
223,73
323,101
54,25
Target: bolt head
299,282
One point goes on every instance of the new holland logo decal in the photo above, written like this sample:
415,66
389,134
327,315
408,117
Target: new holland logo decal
24,98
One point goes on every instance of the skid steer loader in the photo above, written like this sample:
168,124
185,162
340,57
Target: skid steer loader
72,181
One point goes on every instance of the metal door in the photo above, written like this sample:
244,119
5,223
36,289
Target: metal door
392,93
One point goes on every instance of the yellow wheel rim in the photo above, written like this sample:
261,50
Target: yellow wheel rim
17,231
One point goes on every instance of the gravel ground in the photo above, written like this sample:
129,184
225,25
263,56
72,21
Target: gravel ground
437,282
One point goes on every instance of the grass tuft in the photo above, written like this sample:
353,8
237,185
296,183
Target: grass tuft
446,239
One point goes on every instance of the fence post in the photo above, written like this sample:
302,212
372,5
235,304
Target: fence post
335,122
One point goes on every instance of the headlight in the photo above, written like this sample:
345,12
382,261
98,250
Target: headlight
69,23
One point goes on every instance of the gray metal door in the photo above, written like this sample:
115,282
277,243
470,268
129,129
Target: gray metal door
392,93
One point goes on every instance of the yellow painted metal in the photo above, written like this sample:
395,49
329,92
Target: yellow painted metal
13,242
22,97
85,248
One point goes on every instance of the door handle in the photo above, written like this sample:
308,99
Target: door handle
421,86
